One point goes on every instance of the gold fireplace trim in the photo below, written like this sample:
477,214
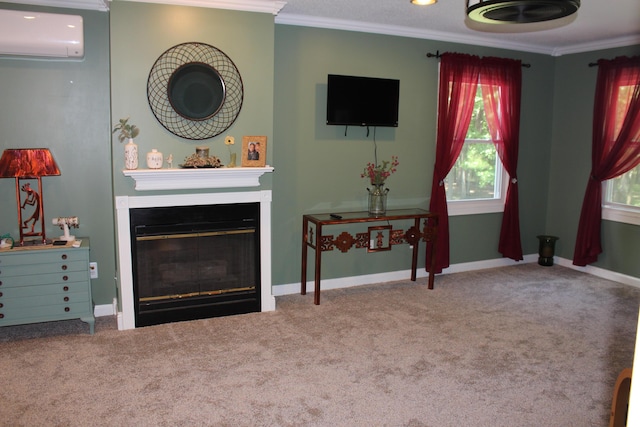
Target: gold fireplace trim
190,235
197,294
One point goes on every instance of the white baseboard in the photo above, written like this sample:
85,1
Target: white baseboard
489,263
601,272
344,282
106,309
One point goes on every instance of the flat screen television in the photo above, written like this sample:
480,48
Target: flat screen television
362,101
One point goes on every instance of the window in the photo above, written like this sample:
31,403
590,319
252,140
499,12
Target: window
622,198
622,194
474,184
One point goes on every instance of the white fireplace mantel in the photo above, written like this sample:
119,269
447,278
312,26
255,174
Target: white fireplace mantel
188,179
126,318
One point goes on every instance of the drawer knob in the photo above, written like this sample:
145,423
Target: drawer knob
65,278
0,282
1,305
67,309
64,256
66,288
0,294
1,316
64,267
66,299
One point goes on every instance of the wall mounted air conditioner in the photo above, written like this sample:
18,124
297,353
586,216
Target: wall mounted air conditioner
41,34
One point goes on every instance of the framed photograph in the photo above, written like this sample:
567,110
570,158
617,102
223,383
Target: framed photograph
254,151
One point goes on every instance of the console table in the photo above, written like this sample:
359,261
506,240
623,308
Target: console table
377,238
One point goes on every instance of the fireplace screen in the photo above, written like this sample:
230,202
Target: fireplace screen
195,262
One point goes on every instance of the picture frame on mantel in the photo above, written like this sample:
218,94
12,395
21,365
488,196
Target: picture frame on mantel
254,151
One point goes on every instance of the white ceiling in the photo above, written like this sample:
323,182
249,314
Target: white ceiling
598,24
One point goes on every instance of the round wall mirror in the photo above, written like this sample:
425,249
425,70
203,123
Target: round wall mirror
195,91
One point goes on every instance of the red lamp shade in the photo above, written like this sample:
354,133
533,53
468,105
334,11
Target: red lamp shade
27,163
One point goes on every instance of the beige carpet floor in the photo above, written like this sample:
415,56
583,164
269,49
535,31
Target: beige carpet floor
516,346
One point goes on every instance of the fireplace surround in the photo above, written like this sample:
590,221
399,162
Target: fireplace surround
195,262
125,204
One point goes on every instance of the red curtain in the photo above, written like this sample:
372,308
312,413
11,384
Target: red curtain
458,84
501,82
615,145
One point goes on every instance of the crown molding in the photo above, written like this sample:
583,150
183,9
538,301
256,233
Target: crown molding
598,45
263,6
101,5
475,39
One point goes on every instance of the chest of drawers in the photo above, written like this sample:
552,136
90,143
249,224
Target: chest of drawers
43,284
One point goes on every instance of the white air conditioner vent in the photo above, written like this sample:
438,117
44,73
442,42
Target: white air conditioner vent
41,34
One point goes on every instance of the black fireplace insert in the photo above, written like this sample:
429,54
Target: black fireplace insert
194,262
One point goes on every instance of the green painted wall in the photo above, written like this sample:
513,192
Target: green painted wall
319,166
142,32
574,93
64,106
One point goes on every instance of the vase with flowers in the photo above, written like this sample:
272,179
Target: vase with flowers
229,141
377,174
128,132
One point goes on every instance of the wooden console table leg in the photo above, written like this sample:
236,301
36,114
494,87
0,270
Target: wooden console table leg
432,243
316,292
305,240
416,246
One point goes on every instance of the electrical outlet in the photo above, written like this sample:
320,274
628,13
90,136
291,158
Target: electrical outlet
93,270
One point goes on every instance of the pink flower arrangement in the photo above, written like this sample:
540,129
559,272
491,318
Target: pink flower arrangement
377,174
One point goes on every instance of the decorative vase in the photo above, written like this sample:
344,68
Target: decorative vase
546,250
378,199
154,159
131,155
232,162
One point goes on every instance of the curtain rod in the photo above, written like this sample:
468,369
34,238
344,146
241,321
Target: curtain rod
595,64
438,55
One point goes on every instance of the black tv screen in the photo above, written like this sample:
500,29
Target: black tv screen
362,101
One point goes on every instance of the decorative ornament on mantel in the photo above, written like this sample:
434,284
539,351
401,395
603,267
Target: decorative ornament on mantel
229,141
127,132
154,159
131,155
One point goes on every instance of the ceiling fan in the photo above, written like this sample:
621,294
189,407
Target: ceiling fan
519,11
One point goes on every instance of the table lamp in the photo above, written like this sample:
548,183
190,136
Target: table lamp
24,164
